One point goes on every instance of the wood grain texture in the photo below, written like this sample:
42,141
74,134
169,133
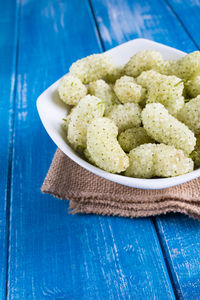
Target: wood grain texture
124,20
180,237
53,254
188,14
8,32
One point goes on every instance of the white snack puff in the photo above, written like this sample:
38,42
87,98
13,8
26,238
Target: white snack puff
133,137
167,90
165,67
103,146
88,108
147,78
115,73
88,156
103,91
126,116
141,162
190,114
142,61
171,162
67,120
150,160
71,89
127,90
164,128
188,66
192,87
93,67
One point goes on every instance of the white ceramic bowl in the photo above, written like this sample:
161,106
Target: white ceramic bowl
51,110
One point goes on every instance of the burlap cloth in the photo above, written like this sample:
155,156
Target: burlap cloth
89,193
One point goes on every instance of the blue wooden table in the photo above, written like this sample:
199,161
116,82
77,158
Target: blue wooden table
46,253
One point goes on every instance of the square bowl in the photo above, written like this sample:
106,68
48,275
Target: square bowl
52,110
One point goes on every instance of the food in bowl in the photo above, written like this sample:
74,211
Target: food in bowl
138,120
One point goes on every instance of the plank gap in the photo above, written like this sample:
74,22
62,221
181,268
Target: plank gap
181,23
167,263
96,25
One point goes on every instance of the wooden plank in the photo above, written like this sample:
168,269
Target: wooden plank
8,31
123,20
54,254
179,235
188,14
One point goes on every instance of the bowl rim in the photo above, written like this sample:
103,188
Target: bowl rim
142,183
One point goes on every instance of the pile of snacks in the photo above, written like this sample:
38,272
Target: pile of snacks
141,119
